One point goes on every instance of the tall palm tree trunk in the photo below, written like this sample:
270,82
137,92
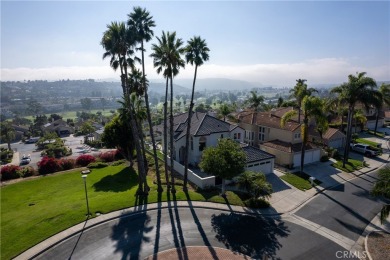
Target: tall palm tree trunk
142,184
376,121
304,139
171,139
349,133
186,153
159,189
166,135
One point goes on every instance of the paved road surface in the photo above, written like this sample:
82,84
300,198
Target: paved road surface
147,233
346,209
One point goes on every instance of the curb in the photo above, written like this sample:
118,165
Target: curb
366,245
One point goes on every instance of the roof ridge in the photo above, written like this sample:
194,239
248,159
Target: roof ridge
201,123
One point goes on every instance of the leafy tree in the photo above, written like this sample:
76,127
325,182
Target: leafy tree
103,102
254,183
224,110
7,133
382,188
54,117
299,92
86,103
312,108
358,89
34,107
196,52
116,135
226,160
86,128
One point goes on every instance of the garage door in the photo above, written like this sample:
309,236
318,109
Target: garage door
264,167
310,157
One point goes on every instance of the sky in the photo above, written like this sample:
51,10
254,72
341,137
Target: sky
269,42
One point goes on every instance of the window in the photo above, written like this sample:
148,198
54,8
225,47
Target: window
297,135
238,135
235,136
202,143
261,134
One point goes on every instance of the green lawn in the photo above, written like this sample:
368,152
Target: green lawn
350,166
371,132
35,209
299,180
365,141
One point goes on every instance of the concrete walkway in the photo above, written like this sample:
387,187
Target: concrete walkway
285,199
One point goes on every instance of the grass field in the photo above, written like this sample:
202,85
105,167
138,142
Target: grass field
72,114
365,141
350,166
299,180
35,209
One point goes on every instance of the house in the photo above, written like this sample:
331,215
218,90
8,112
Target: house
205,132
332,137
263,130
58,126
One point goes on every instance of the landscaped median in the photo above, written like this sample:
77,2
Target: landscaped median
35,209
350,166
299,180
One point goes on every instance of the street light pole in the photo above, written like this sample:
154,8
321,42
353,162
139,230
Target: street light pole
86,193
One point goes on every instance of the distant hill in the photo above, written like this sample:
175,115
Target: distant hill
160,88
218,84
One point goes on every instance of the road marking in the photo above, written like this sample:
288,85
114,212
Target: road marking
323,231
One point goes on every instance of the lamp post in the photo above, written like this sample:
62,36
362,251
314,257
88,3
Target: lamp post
86,193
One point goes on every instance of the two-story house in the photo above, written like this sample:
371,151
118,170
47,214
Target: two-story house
263,129
205,132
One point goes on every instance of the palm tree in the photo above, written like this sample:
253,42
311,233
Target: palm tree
254,183
255,101
360,118
160,61
312,108
300,91
167,56
224,110
196,52
384,90
358,89
118,43
141,24
382,188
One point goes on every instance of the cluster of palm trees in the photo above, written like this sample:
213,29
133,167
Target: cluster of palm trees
359,89
121,41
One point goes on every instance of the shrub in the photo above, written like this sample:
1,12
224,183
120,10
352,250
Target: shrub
324,158
256,203
9,172
27,172
107,156
119,162
84,160
48,165
67,164
97,165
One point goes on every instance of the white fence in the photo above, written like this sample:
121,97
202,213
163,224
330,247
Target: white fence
193,177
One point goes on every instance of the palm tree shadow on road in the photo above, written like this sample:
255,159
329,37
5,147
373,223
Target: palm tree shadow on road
255,236
130,232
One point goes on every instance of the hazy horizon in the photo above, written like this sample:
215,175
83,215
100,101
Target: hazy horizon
271,43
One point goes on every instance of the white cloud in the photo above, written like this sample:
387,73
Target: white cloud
327,70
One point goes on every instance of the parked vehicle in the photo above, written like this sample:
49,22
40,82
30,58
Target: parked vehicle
365,149
32,140
26,159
